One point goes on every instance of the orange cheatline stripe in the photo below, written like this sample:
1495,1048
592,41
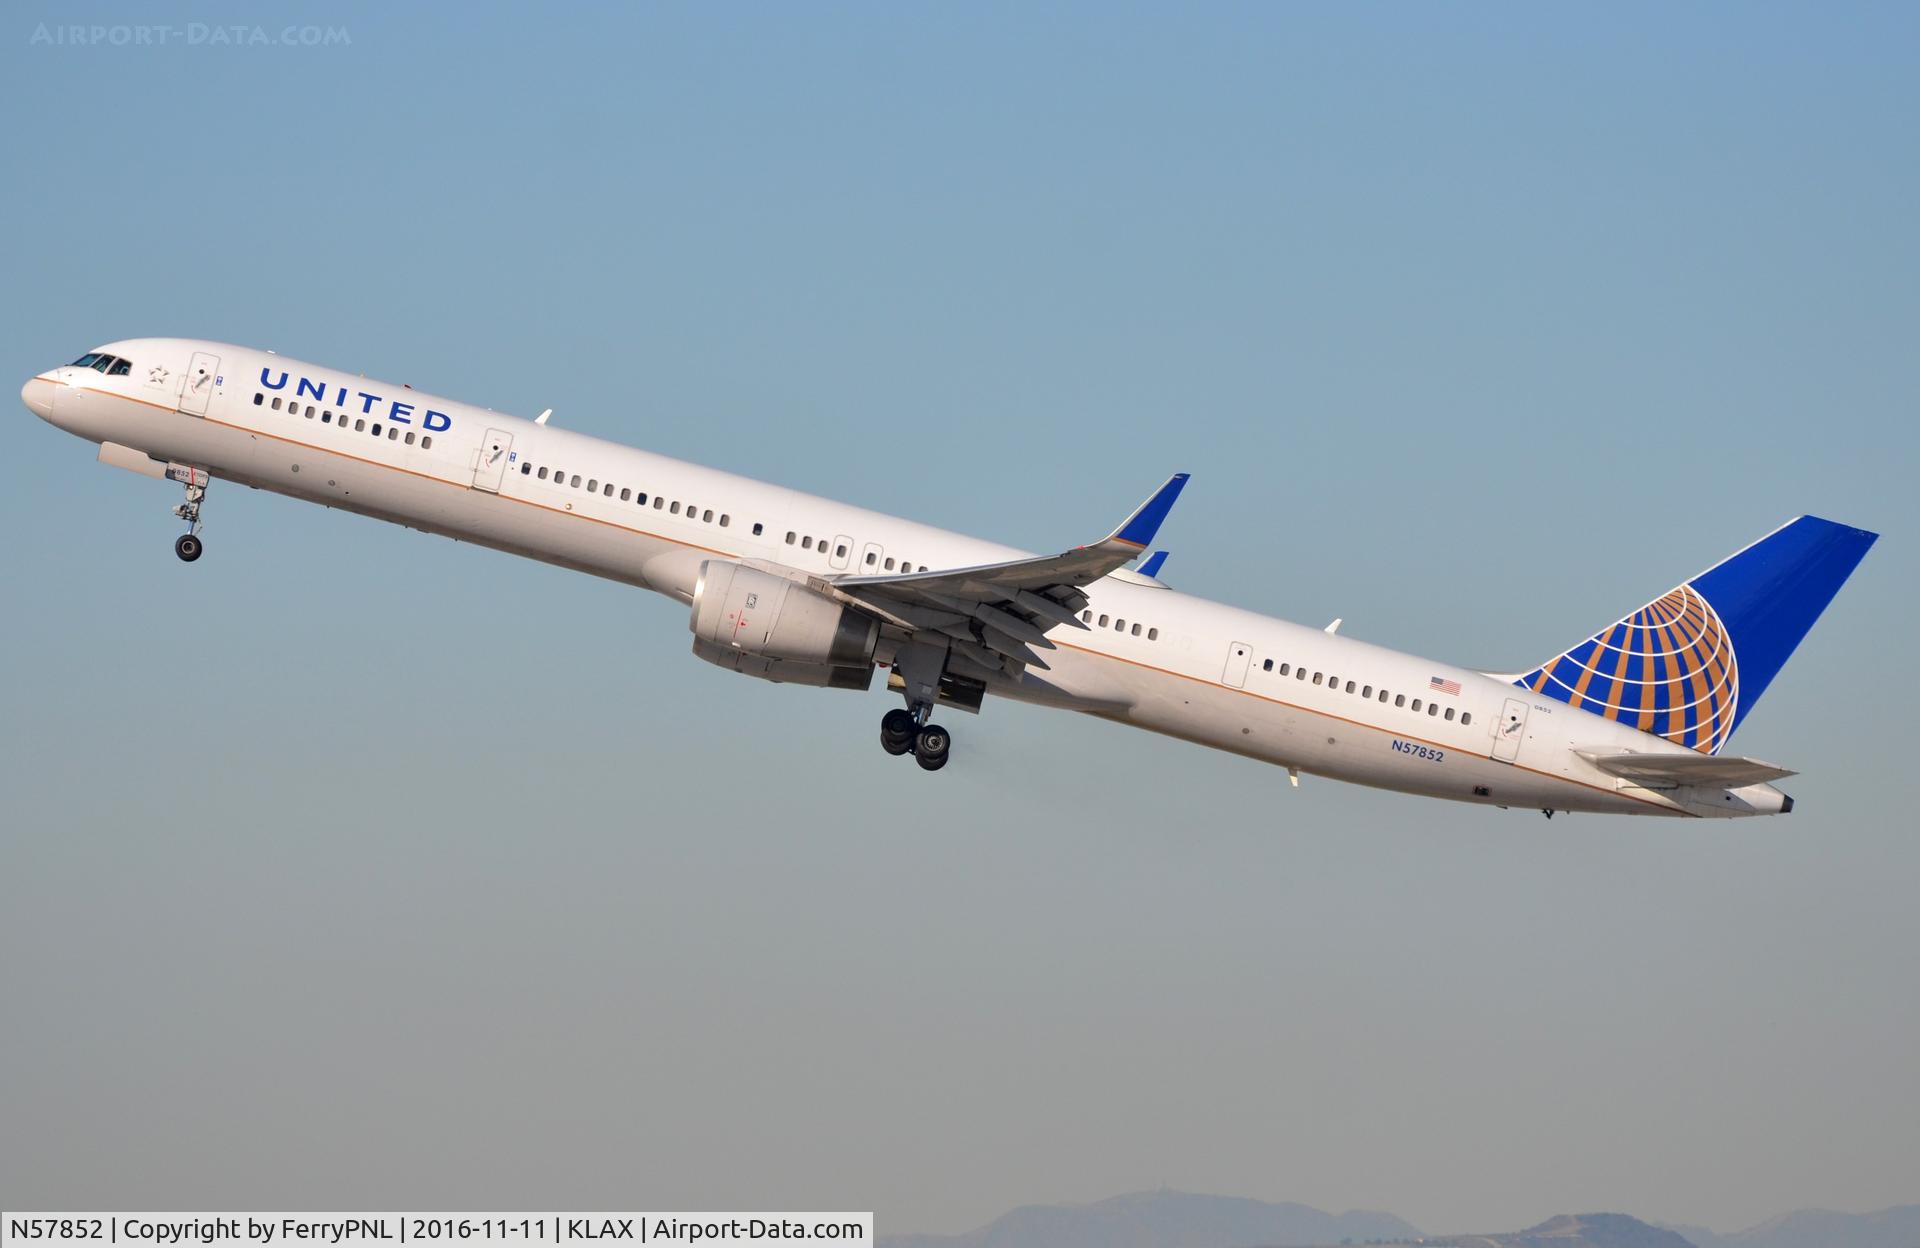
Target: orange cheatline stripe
412,472
1065,645
1357,723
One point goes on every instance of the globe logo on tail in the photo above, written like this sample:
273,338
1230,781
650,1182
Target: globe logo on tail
1667,669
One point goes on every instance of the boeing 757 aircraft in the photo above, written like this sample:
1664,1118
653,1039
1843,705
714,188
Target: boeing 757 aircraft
787,586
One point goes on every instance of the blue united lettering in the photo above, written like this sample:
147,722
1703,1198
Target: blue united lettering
398,412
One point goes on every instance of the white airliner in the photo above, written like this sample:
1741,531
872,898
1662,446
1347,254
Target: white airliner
790,587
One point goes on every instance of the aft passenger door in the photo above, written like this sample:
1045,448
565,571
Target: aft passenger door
197,386
1239,654
1510,731
490,468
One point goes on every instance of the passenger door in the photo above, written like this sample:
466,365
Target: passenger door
841,552
490,468
1510,731
870,560
197,386
1239,654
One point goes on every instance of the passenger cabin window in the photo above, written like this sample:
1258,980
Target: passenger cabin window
1466,717
1153,634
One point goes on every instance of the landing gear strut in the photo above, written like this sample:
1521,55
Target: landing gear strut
908,730
189,546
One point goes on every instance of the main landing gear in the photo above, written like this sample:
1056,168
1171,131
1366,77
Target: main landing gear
189,546
903,730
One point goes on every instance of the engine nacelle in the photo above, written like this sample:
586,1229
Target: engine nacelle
771,626
786,671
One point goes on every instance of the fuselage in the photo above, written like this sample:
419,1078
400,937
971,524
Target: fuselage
1151,657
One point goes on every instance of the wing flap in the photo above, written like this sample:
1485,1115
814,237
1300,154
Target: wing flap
1002,611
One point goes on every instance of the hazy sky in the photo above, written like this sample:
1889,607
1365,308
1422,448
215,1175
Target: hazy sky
353,867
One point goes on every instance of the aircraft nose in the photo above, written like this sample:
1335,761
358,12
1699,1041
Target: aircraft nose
37,394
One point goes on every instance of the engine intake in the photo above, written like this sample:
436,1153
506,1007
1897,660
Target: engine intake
772,626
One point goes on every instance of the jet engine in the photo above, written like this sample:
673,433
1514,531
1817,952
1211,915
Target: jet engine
764,624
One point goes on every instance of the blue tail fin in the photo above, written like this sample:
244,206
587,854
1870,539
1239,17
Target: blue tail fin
1689,665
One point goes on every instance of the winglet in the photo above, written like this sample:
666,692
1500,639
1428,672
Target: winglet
1154,563
1140,527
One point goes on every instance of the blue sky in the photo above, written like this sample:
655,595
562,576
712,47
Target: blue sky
351,866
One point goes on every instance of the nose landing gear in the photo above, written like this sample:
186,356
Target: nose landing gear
189,546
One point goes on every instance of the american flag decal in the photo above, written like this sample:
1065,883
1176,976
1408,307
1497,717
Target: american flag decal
1444,686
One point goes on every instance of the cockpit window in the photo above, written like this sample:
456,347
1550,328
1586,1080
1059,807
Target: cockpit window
87,360
120,368
101,362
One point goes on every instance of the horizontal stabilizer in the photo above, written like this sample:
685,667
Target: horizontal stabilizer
1707,770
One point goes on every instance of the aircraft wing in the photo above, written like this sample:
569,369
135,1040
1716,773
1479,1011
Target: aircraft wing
1665,770
999,613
